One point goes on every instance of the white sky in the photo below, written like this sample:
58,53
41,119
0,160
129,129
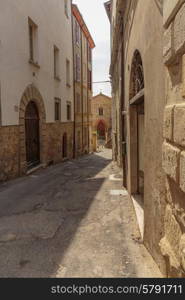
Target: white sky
96,19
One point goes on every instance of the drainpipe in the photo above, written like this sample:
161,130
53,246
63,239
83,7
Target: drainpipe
88,97
82,94
124,142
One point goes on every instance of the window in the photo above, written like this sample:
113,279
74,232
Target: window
78,103
68,111
89,80
85,136
56,63
100,111
33,41
78,68
84,47
89,54
85,104
68,72
66,8
77,33
78,140
84,72
57,109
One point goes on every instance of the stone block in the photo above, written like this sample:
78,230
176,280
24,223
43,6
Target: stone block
168,122
170,8
170,160
170,243
182,251
179,30
183,76
172,229
182,171
167,45
169,197
179,124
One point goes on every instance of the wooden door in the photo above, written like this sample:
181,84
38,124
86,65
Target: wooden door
32,135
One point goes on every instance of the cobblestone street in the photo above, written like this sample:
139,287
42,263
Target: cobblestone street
71,220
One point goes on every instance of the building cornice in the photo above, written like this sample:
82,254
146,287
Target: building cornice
108,8
82,24
117,31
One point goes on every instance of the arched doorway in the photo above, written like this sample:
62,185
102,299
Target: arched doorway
32,135
32,95
137,127
64,145
101,131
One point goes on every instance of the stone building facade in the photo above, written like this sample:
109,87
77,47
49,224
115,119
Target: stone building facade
101,108
36,84
147,70
82,48
173,243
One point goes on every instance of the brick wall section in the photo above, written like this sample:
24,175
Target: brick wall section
54,137
9,152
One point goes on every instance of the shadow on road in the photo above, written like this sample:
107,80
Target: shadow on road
68,189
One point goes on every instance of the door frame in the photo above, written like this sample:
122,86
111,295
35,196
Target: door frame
31,93
134,143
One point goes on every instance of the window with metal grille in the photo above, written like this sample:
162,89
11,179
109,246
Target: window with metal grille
68,73
77,33
33,41
85,104
78,68
57,109
89,54
78,103
68,111
89,80
56,62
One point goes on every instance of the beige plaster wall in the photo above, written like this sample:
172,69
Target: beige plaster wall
54,28
146,35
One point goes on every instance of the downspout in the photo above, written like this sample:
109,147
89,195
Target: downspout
82,94
88,97
124,142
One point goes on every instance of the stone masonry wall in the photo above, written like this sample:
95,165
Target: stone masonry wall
173,243
54,139
9,152
10,147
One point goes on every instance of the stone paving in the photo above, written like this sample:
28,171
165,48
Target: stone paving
71,220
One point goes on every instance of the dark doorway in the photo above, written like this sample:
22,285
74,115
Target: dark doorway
32,135
64,145
140,148
101,131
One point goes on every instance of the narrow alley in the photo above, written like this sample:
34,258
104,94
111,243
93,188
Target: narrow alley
71,220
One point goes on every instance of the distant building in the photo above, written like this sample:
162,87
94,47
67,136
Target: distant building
82,49
101,107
